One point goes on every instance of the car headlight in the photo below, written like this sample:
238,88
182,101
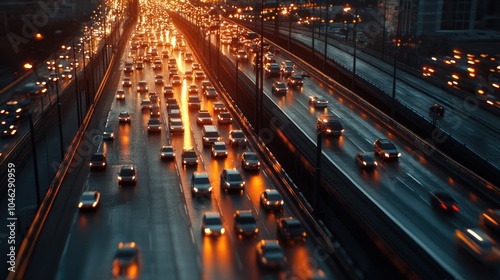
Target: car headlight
399,154
222,230
94,204
207,231
227,184
282,202
195,189
386,154
80,205
210,189
120,178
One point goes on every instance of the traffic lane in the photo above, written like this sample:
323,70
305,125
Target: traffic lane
395,196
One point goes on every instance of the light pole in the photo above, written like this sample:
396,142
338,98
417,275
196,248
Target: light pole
61,141
395,66
326,40
77,90
35,161
317,176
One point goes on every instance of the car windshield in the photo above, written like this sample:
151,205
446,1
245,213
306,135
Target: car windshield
97,157
367,158
204,114
274,196
271,250
201,180
238,134
166,149
125,254
88,196
154,121
388,146
234,177
251,157
189,154
295,227
219,146
193,99
127,172
213,221
246,220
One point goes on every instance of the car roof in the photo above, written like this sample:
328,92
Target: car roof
212,214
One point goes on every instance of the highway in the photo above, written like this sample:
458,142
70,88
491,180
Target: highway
160,213
401,188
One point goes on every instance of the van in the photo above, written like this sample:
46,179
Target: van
129,65
210,134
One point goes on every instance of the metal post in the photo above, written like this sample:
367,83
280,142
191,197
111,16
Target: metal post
354,31
395,66
326,41
35,161
77,91
61,142
312,33
237,70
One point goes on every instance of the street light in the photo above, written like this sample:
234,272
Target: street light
61,140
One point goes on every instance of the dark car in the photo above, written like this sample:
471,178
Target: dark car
108,134
154,125
245,223
295,80
318,101
366,161
385,149
127,262
167,152
200,184
250,161
436,110
279,88
444,202
237,137
124,116
291,230
127,175
270,255
168,91
7,127
189,157
271,200
219,149
211,224
224,118
194,102
218,107
203,117
330,125
210,92
98,161
176,125
230,179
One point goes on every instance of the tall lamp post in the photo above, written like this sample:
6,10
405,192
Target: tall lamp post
317,177
35,161
395,67
61,141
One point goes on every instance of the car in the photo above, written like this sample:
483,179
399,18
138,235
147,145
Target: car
176,80
167,152
203,117
330,125
139,65
154,125
188,57
318,101
126,82
127,175
157,64
241,55
146,104
237,137
245,224
189,156
174,113
12,110
193,89
250,161
194,102
271,70
41,81
199,75
196,66
224,118
269,58
444,202
205,84
164,54
124,116
365,161
171,102
89,200
172,63
154,111
210,92
489,221
286,68
436,110
219,149
176,126
142,86
35,88
279,88
200,184
188,75
231,180
168,91
67,74
385,149
218,107
211,224
154,98
8,127
127,261
479,244
120,95
290,230
295,80
98,161
159,79
270,255
271,200
172,71
108,134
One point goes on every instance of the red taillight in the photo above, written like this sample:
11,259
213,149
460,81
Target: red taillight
455,208
444,206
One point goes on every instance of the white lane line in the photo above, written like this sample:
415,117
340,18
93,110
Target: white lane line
185,210
399,179
415,179
238,259
192,236
255,209
180,187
